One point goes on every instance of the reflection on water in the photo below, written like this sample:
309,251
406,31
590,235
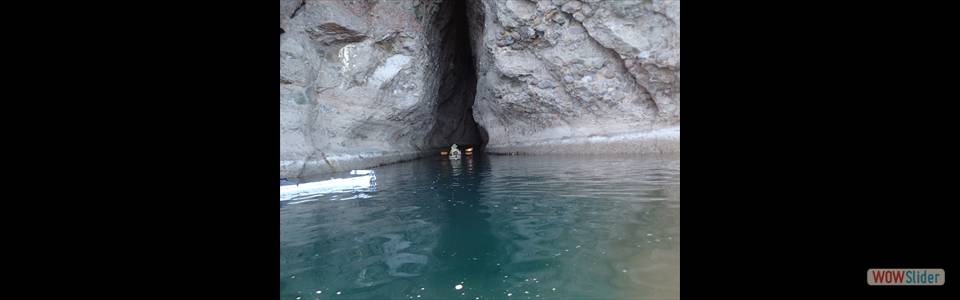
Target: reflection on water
502,227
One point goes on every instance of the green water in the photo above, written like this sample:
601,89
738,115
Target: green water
502,227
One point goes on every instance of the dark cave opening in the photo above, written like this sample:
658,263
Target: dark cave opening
458,77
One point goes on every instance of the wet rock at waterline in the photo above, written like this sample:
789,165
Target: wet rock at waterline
364,83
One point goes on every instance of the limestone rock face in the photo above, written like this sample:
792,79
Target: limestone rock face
579,76
358,82
364,83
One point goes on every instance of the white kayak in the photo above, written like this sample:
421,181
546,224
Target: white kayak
290,192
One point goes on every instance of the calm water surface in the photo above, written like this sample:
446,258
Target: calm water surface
500,227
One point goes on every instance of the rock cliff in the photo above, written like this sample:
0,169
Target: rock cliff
363,83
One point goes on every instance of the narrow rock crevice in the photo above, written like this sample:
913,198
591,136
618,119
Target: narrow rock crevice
296,10
457,89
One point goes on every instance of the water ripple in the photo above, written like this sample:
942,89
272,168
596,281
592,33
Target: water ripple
544,227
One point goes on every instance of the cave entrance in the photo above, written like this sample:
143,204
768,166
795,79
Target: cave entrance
458,77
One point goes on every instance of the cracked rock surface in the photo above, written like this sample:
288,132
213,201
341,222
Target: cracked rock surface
358,82
579,76
364,83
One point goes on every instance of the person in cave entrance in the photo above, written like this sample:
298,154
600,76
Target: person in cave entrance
454,152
